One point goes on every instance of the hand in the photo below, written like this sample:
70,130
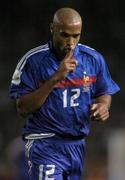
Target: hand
67,65
99,112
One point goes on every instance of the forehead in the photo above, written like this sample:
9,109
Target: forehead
69,28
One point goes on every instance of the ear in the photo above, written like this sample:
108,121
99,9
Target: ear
51,28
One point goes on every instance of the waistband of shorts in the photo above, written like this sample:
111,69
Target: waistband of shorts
60,137
69,137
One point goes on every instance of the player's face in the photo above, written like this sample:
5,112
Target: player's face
66,37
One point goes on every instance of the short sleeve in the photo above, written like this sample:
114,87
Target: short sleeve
24,79
104,84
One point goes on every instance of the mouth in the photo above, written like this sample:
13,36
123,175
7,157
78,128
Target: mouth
68,48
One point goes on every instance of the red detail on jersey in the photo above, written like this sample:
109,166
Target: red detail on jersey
73,82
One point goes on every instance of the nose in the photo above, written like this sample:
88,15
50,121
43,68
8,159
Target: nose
71,42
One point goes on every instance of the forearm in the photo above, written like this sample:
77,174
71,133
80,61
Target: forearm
32,101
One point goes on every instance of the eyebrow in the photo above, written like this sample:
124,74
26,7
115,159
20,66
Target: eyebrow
67,34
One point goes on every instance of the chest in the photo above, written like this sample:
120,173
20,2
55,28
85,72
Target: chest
85,70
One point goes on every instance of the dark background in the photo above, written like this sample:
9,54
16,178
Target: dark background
24,24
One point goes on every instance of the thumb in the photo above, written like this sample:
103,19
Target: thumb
93,106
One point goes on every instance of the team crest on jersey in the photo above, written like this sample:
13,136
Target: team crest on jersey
86,84
16,77
87,81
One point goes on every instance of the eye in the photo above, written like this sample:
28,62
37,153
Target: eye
76,35
64,34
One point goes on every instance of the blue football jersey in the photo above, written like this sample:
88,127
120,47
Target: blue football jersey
66,110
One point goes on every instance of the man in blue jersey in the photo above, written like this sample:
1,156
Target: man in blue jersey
61,87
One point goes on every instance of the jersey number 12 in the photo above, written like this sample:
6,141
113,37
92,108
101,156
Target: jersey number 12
73,98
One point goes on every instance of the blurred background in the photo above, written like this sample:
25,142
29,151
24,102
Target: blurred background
24,24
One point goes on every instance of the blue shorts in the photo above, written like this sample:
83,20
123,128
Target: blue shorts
55,159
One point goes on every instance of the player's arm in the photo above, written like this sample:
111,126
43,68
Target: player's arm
100,109
32,101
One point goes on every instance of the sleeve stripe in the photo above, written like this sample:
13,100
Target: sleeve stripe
23,60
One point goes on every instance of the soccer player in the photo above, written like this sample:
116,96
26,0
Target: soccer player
61,87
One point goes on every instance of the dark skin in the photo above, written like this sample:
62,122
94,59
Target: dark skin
66,31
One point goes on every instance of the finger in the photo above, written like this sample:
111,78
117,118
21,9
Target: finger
94,110
73,63
103,118
95,113
69,55
72,68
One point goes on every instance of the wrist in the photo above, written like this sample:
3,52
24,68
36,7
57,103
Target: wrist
55,78
105,100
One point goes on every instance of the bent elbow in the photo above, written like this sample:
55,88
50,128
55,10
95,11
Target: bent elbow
21,112
20,109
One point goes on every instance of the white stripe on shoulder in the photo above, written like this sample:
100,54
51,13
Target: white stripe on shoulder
23,60
18,71
79,44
